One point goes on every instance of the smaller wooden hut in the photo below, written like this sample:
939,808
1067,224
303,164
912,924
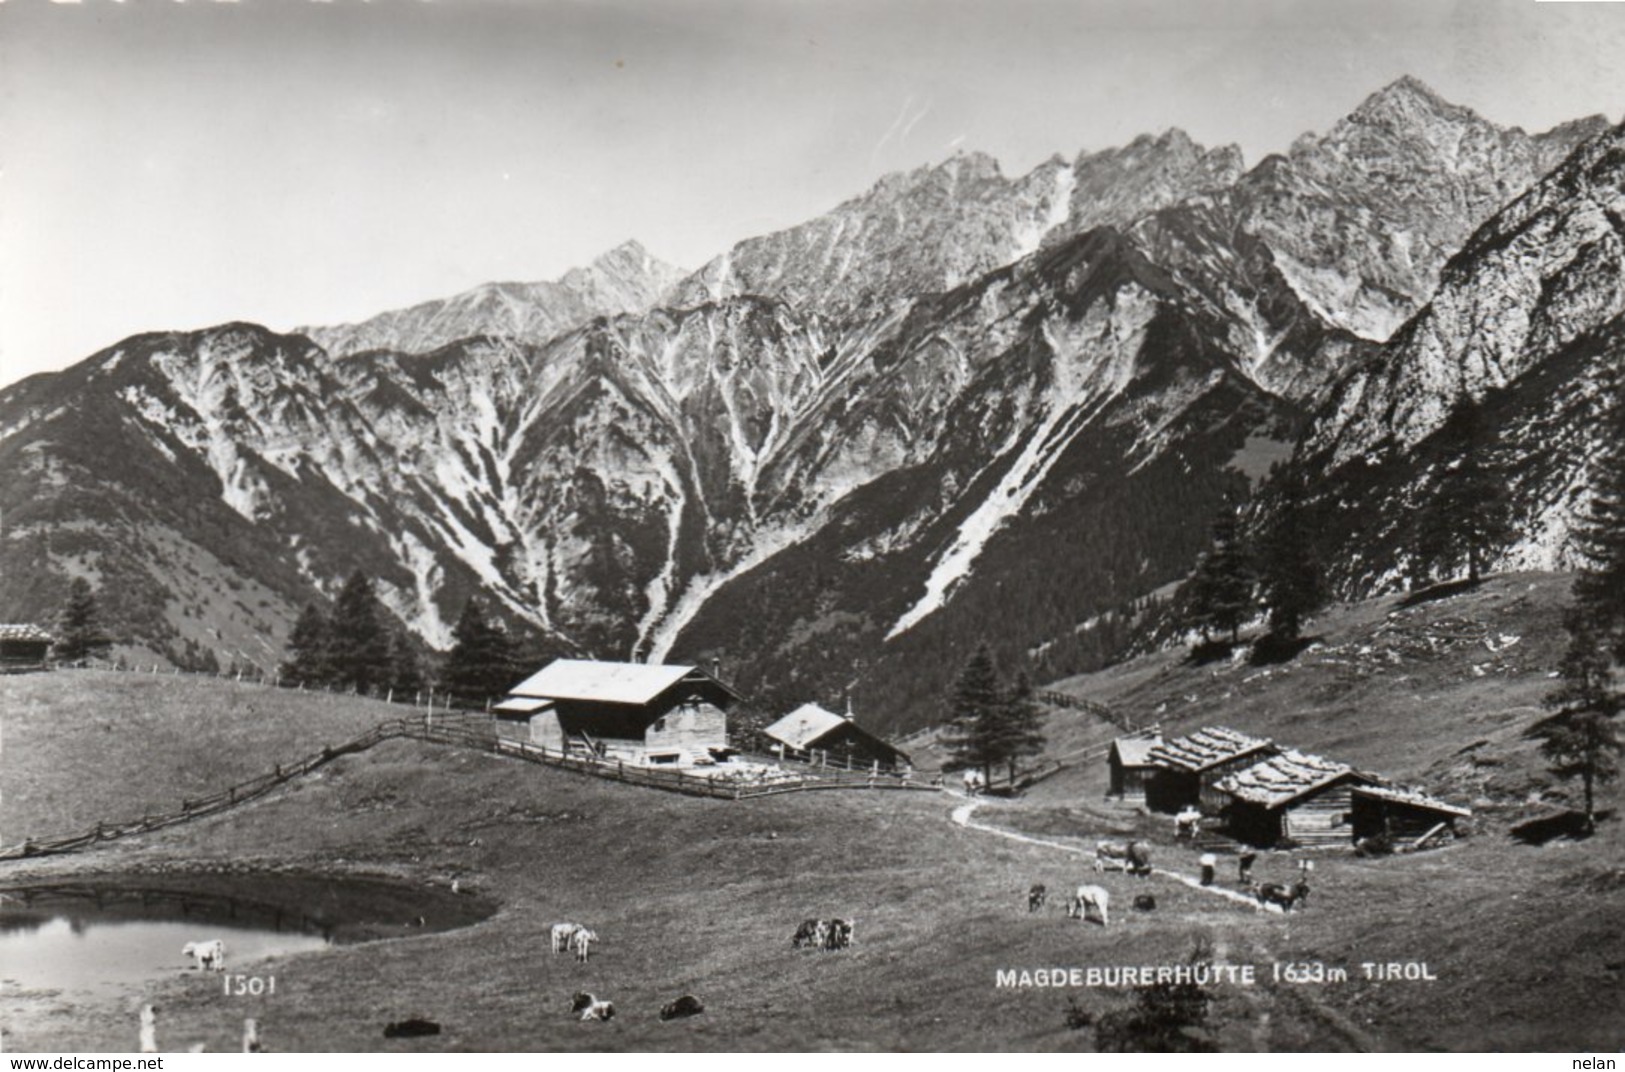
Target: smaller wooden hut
814,733
1401,815
1189,769
1292,796
24,647
1131,766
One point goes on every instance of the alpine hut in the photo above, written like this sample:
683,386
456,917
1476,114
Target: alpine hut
1131,767
811,732
1401,814
632,712
1190,768
1294,797
23,647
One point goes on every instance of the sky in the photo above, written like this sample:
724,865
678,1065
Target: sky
169,165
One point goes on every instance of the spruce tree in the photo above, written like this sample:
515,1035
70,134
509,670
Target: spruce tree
1581,740
974,735
483,661
79,631
309,650
405,675
1599,586
1021,724
1290,576
1468,516
360,645
1220,592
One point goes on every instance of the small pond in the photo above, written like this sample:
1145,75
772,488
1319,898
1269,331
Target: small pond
105,934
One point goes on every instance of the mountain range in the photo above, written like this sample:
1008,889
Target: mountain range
958,406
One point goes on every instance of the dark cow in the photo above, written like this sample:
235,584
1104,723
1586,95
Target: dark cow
1144,902
839,934
416,1027
812,934
1036,896
1139,859
1282,897
687,1005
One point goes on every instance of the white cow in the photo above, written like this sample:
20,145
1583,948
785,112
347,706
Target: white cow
1112,856
581,941
149,1029
563,933
1089,897
209,955
591,1008
1188,823
974,782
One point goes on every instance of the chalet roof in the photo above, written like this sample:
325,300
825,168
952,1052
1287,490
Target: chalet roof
24,631
522,705
804,725
1205,748
1412,798
1136,751
1284,778
588,679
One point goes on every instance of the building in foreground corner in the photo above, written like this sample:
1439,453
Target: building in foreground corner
24,647
814,733
667,715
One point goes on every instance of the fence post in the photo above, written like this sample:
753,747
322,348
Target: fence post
279,770
231,795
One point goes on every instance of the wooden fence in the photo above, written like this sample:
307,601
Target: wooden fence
466,731
1078,703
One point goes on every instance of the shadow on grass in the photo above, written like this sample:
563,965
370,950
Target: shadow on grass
1439,591
1273,650
1210,651
1565,824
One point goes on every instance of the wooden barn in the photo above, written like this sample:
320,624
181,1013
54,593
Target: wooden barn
632,712
1400,814
24,647
813,733
1189,769
1131,767
1294,797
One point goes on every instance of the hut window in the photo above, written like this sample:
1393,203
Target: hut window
660,723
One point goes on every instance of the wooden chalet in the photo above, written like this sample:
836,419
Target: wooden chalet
633,712
1294,797
1190,768
812,733
24,647
1401,814
1131,766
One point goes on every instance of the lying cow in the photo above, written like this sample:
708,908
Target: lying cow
1088,897
591,1008
210,955
1144,902
1111,856
687,1005
1036,896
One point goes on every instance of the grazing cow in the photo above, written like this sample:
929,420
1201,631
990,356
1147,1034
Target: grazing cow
838,934
581,941
209,955
1111,856
1036,896
1086,898
591,1008
1139,859
414,1027
1271,893
1144,902
1188,823
811,934
687,1005
1244,868
563,933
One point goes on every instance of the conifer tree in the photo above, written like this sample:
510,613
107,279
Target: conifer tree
1021,724
1581,741
482,662
79,631
1290,576
1220,592
405,675
1599,586
1468,516
360,645
974,735
309,650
